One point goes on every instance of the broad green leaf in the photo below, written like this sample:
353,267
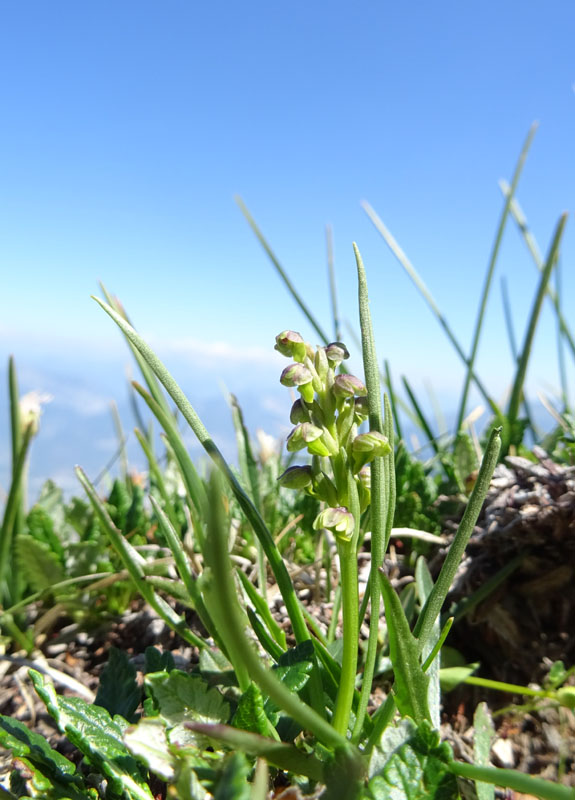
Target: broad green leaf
215,668
118,691
418,769
233,783
24,743
185,698
250,714
97,736
33,781
38,563
450,677
148,742
411,683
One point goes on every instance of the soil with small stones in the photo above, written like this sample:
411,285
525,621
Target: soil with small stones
527,622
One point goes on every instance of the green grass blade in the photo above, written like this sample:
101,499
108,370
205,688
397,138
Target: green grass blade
489,276
392,399
149,378
263,609
513,347
424,291
157,477
562,367
132,562
16,439
531,243
332,283
517,390
260,529
432,607
513,779
281,272
379,495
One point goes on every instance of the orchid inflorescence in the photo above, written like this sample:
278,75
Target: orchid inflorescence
327,416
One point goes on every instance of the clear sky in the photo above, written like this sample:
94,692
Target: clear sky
128,127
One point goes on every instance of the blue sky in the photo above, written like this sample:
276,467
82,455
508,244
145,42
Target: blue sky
129,127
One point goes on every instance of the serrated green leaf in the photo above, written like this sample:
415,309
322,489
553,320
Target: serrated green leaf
185,698
24,743
157,661
418,769
233,783
97,736
39,565
250,714
118,691
411,683
34,782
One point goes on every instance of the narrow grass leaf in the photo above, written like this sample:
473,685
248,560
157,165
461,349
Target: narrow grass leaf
517,390
527,785
260,529
424,583
483,736
434,603
263,609
280,755
489,275
281,272
410,269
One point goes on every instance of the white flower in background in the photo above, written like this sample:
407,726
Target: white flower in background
268,445
31,409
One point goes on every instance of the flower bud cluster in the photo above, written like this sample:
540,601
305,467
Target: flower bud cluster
326,417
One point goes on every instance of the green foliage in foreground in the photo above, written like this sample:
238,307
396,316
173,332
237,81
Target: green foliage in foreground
248,712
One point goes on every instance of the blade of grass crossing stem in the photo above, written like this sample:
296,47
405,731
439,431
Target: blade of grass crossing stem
263,609
156,477
432,608
260,529
379,495
233,629
16,439
517,390
183,567
392,399
332,282
526,785
148,375
9,576
489,276
562,367
192,481
513,347
283,275
249,471
132,562
531,243
424,291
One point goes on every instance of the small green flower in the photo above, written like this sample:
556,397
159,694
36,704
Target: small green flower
291,344
336,353
299,412
368,446
302,436
339,520
300,376
348,386
296,477
361,409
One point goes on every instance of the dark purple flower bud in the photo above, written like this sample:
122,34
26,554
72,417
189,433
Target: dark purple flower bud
339,520
296,478
348,386
299,412
291,344
336,352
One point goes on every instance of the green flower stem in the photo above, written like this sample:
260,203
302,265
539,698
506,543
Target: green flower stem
432,607
512,688
347,552
512,779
